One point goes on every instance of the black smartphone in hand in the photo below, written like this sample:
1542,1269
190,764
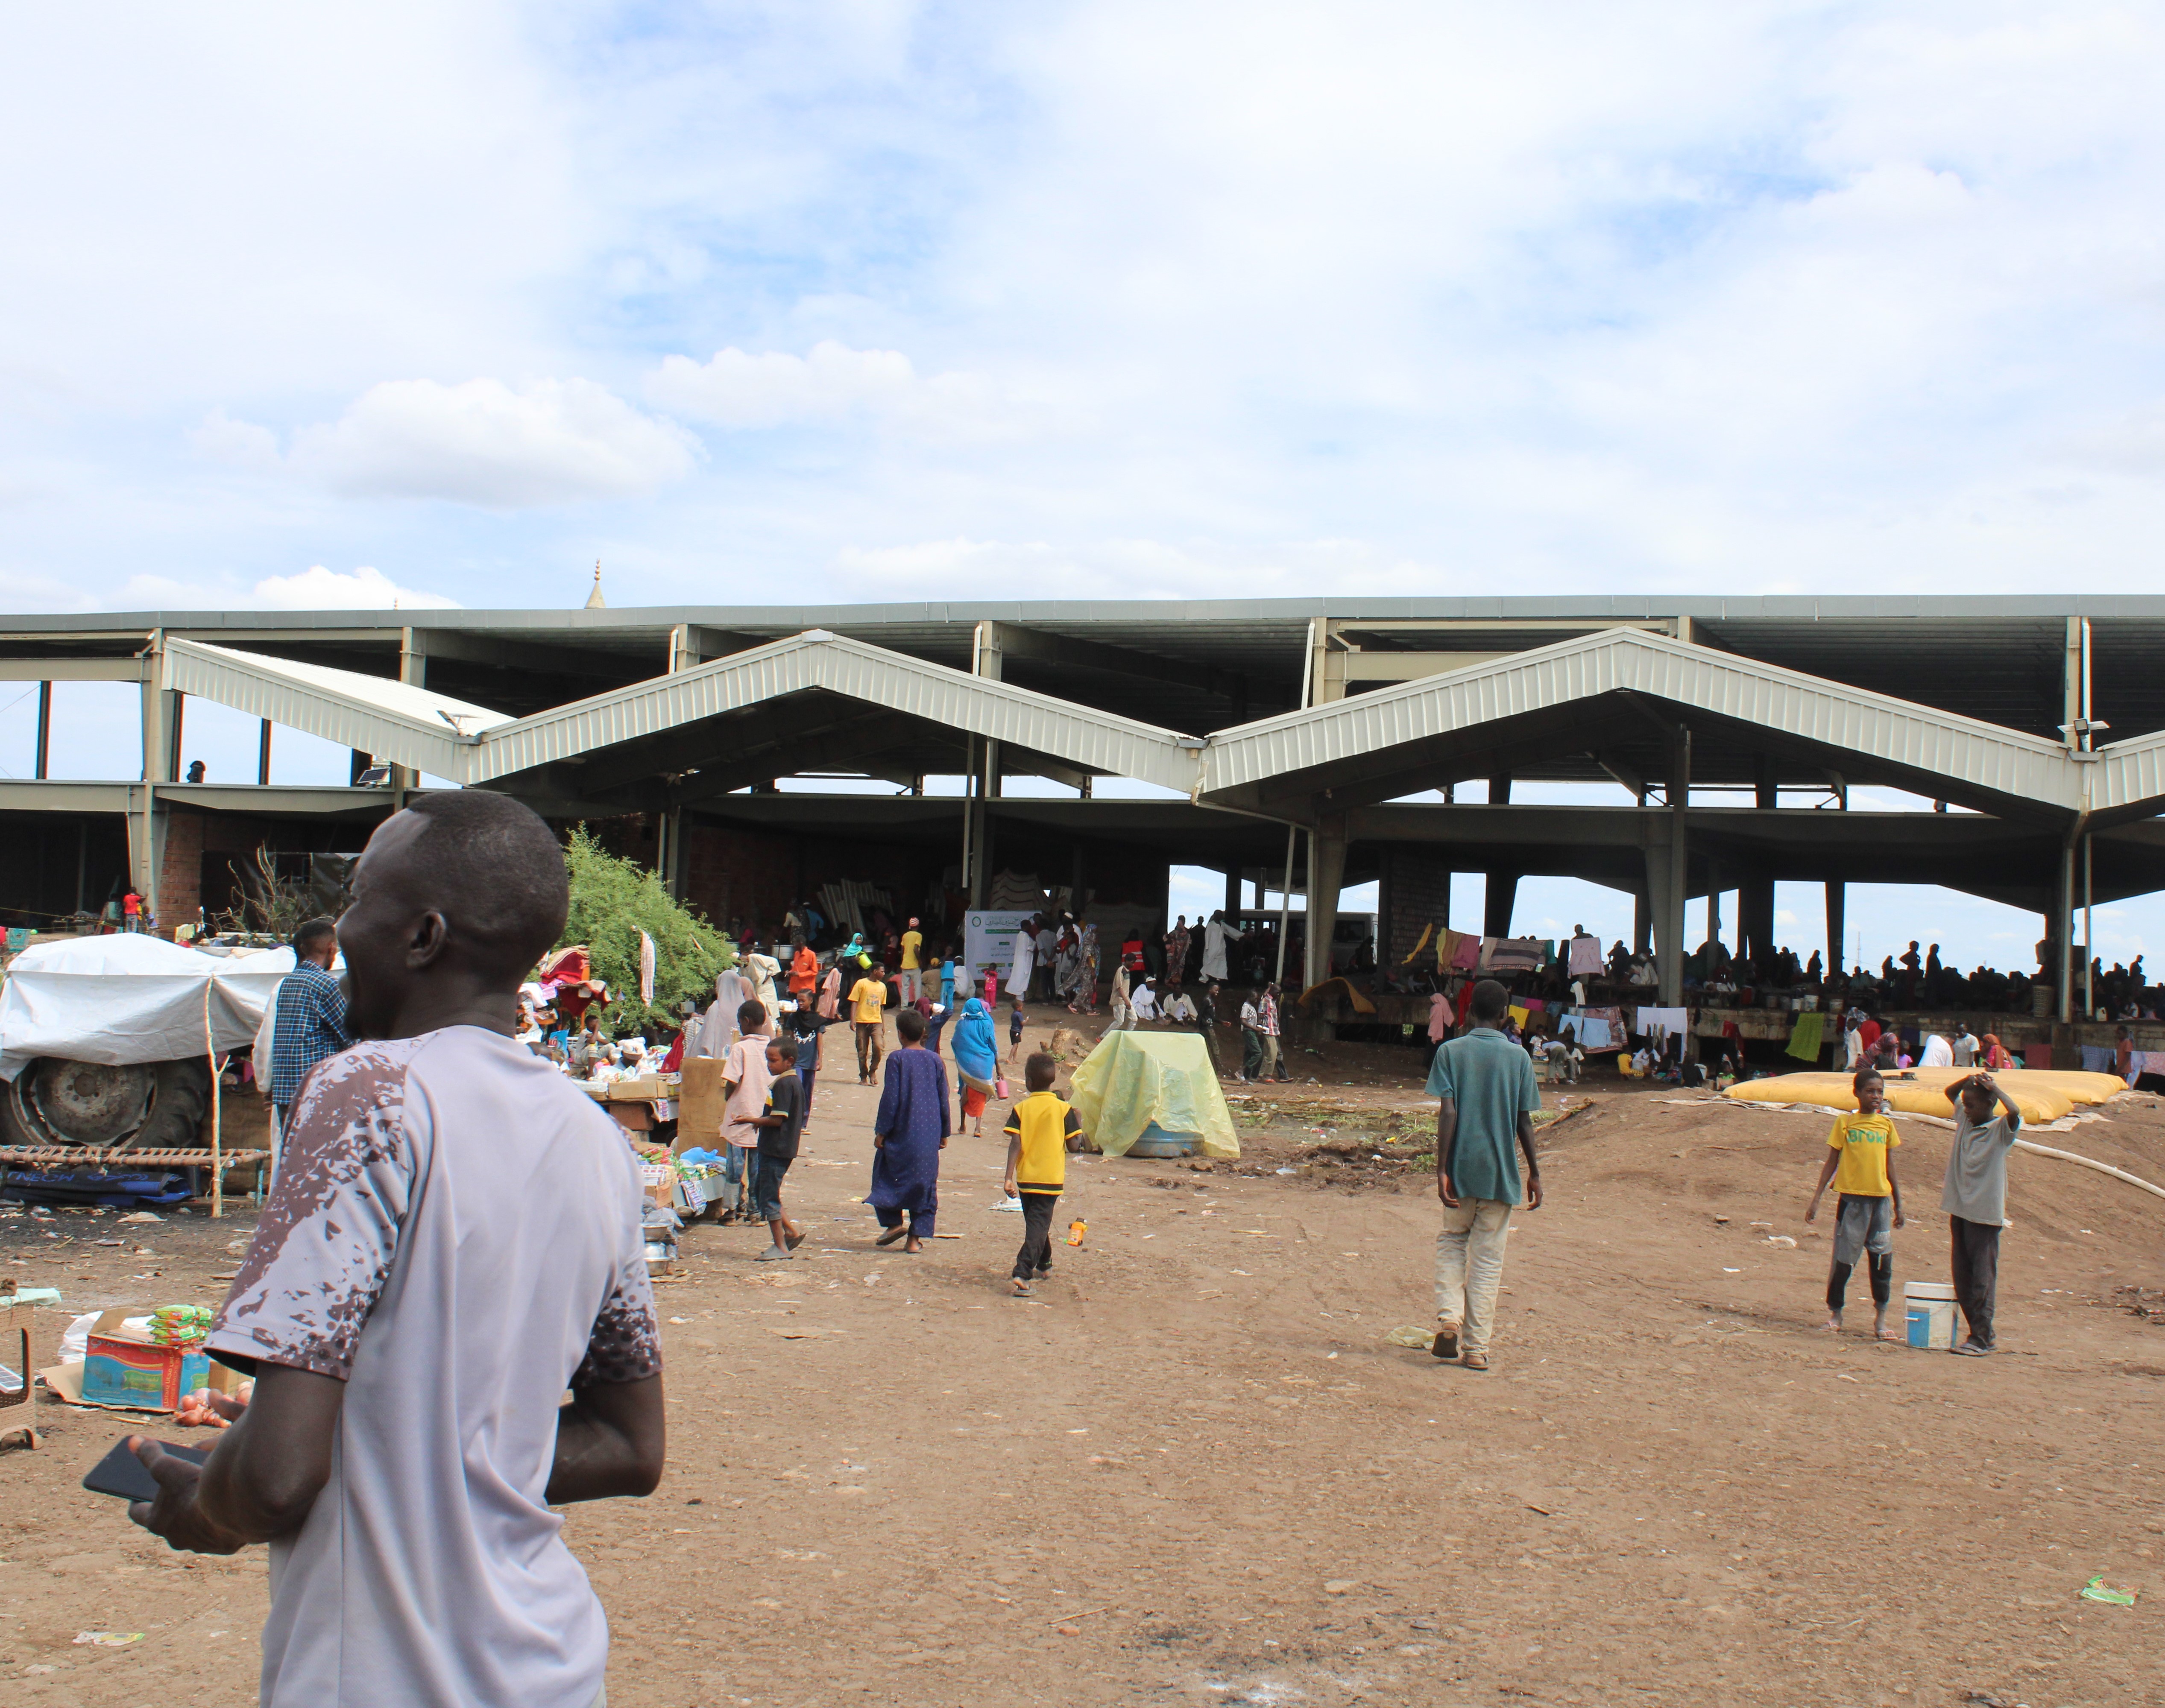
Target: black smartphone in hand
121,1473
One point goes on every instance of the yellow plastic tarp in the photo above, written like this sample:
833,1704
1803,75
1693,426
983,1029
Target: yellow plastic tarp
1136,1080
2041,1094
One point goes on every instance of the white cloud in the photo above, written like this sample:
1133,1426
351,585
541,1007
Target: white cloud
482,443
365,589
316,588
737,389
242,443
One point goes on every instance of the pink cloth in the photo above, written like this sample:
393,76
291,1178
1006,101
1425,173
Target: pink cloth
1439,1018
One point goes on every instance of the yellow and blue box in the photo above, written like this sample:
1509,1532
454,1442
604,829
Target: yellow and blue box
123,1367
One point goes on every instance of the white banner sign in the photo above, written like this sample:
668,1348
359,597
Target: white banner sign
987,936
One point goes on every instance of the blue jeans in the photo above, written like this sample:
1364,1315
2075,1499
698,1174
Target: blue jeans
736,1169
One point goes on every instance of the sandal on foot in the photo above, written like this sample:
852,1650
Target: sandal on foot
772,1254
1475,1361
1446,1344
892,1235
794,1241
1970,1349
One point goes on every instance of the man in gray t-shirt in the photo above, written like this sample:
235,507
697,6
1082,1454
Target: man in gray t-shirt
1486,1097
1975,1199
454,1240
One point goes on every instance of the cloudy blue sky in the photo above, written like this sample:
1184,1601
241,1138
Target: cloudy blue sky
844,299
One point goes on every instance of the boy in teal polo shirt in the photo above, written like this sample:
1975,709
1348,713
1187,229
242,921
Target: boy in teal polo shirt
1488,1095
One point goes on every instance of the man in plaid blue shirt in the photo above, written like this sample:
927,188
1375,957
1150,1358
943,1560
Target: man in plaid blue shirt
311,1018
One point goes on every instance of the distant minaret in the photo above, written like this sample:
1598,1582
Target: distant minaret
594,600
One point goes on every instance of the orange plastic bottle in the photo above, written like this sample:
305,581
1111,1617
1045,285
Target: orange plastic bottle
1075,1230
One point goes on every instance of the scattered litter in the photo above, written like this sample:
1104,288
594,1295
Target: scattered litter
1007,1205
1288,1171
137,1216
2097,1590
1780,1239
1342,1586
1411,1336
108,1639
1731,1272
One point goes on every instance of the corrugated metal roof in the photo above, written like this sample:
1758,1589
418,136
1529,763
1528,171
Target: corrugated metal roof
914,687
394,720
1895,733
412,726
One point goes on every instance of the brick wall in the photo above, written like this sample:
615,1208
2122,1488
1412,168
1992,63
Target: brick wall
1413,893
180,877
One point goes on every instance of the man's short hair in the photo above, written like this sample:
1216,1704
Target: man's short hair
751,1014
311,934
786,1047
1040,1070
496,872
908,1025
1491,1000
1857,1078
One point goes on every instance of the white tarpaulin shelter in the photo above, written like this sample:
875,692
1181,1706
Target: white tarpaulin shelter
127,998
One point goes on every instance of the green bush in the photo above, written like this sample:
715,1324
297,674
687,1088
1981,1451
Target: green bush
613,900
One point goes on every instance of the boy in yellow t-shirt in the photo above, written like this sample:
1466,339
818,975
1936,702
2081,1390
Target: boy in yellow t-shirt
868,1020
1869,1198
1039,1130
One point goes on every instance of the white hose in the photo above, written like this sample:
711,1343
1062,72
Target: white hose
2068,1156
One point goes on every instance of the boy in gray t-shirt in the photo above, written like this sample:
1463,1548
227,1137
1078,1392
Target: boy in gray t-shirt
1975,1199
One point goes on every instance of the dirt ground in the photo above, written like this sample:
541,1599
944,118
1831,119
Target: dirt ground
1192,1469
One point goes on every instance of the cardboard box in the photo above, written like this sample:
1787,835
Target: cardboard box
700,1104
642,1090
633,1118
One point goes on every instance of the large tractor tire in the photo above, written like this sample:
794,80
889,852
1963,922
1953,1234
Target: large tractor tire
177,1108
149,1107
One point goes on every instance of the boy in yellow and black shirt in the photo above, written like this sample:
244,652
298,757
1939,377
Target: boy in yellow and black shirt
1039,1130
1861,1163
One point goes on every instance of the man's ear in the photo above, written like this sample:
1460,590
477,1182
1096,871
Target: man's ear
426,942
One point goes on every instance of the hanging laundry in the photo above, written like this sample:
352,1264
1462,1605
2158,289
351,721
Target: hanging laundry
1511,954
1592,1033
1648,1020
1427,932
1586,956
2100,1059
1466,951
1805,1040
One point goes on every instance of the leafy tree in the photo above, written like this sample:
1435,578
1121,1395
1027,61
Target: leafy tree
613,900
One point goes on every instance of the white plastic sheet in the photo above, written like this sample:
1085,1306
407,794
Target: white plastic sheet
129,998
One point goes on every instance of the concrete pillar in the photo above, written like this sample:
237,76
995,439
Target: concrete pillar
1642,921
1679,872
263,754
1232,890
1501,892
1755,910
986,658
413,670
1499,789
43,756
1837,924
146,841
1664,914
1326,875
